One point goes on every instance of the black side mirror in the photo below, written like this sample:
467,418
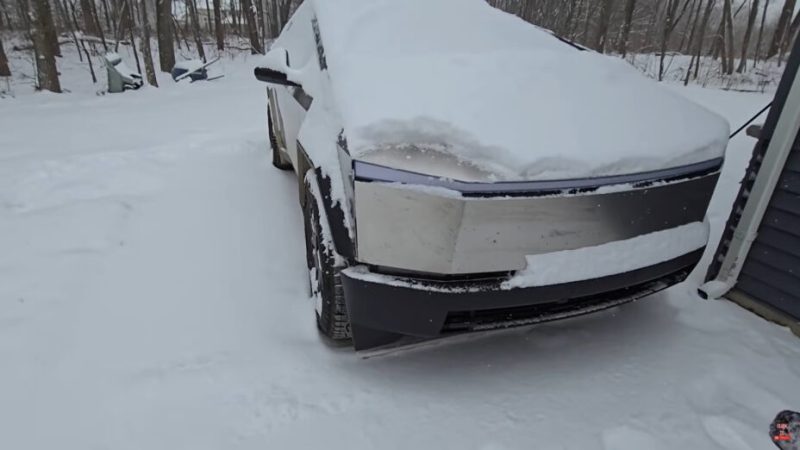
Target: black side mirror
275,68
273,76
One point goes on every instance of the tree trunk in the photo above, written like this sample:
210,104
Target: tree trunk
601,36
5,71
6,19
718,41
191,8
586,21
179,33
687,29
166,48
132,14
761,31
50,32
781,28
285,10
702,35
566,28
252,27
208,17
689,50
89,25
99,30
218,30
671,19
262,26
729,50
234,19
68,24
125,19
650,34
751,21
46,70
272,17
149,68
107,15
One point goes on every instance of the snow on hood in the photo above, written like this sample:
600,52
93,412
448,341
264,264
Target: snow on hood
497,91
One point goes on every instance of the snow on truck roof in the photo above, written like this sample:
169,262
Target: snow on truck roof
496,91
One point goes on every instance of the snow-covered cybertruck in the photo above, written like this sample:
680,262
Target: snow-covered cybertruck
460,169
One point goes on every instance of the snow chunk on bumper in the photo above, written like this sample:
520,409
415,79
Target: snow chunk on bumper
610,259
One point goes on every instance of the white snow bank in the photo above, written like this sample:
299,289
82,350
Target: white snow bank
178,317
493,89
609,259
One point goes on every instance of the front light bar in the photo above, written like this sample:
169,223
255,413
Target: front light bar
368,172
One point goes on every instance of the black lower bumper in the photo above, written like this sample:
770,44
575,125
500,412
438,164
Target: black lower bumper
381,312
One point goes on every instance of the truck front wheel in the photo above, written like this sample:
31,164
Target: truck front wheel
326,284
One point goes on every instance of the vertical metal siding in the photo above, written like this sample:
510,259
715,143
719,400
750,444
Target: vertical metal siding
770,275
771,272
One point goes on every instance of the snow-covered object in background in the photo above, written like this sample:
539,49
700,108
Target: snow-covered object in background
608,259
495,90
120,76
192,68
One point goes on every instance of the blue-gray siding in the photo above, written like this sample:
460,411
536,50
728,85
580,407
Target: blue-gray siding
771,272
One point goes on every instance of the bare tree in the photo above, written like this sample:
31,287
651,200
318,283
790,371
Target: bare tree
50,32
252,27
5,18
274,25
729,51
751,21
687,26
673,14
781,28
208,17
701,35
191,9
164,25
693,32
5,71
235,18
278,14
46,70
89,25
218,30
107,16
149,68
761,31
601,34
262,26
74,15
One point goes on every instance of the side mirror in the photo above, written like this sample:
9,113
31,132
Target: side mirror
274,68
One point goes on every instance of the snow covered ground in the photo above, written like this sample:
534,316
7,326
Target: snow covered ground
153,296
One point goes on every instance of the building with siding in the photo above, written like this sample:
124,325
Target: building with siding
757,262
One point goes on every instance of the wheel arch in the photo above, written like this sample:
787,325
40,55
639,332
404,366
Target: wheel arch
334,213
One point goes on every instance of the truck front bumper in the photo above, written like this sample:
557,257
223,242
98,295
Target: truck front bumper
384,308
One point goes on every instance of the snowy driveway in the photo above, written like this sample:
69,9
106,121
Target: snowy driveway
153,296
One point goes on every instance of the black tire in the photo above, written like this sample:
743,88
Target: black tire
277,157
324,278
